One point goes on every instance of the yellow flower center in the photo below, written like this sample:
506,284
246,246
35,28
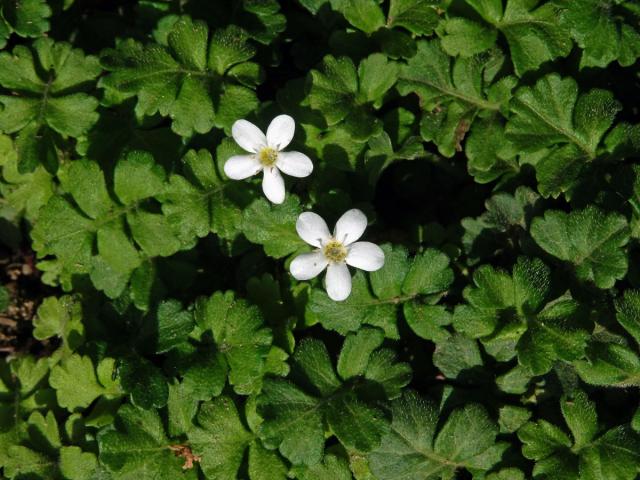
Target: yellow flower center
268,156
335,251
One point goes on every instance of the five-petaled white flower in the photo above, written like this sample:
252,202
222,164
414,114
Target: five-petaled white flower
267,155
335,252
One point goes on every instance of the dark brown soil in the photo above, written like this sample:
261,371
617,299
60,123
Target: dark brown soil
21,279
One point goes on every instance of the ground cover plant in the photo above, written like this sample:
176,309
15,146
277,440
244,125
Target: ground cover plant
175,305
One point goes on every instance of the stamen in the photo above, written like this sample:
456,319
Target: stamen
335,251
268,156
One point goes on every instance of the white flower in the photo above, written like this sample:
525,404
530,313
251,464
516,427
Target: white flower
267,155
335,252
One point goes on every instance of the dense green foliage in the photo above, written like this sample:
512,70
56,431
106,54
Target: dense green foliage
492,144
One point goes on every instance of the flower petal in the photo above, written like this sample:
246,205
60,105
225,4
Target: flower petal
338,281
240,167
273,185
295,164
365,256
350,226
312,229
248,136
280,131
308,265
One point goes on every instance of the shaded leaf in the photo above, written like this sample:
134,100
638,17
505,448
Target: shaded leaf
413,449
590,240
188,78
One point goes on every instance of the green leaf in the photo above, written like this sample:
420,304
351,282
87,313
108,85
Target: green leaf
635,421
557,126
28,18
188,78
346,96
144,382
376,76
332,466
507,474
429,274
381,153
25,193
76,383
51,106
362,307
356,351
42,456
609,364
22,391
340,149
541,439
221,440
136,446
118,132
513,314
628,313
334,89
263,20
43,432
626,181
453,93
265,464
428,321
532,29
204,375
137,177
239,334
400,280
60,317
413,449
201,202
387,373
557,332
524,292
613,454
417,16
512,418
24,462
313,5
5,299
93,234
297,432
388,282
314,396
182,406
581,417
590,240
505,214
460,36
203,371
515,380
273,226
604,30
168,327
457,354
365,15
266,292
76,464
490,154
